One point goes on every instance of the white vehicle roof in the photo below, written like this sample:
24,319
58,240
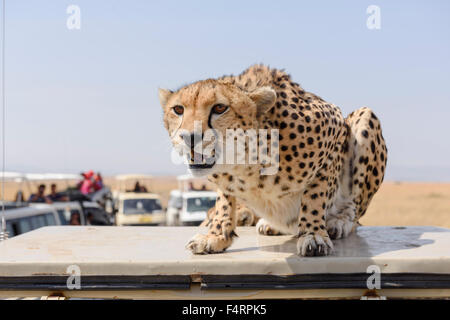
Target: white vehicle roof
90,204
131,251
199,194
28,211
19,177
13,176
52,176
68,204
192,194
62,205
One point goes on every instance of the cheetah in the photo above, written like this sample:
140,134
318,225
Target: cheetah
329,168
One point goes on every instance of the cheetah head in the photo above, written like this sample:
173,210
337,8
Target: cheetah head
203,111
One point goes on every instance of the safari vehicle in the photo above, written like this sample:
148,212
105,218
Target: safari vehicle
24,218
136,207
21,218
85,212
139,209
127,183
188,205
28,182
152,263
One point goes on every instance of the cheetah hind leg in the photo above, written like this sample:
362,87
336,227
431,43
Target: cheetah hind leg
266,229
246,216
363,172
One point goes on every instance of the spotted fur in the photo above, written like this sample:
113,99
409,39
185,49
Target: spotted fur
245,216
330,167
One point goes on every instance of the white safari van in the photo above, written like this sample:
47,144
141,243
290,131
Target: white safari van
136,207
189,208
139,209
26,218
187,205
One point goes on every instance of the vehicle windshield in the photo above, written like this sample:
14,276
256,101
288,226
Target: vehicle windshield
141,206
200,203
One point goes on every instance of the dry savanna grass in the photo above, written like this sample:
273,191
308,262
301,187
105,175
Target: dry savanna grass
395,204
402,204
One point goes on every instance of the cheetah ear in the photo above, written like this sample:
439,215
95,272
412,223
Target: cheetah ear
264,98
164,96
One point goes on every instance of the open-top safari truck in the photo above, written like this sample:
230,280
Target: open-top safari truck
152,263
134,203
28,182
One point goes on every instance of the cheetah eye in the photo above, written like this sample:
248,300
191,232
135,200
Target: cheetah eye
219,108
178,110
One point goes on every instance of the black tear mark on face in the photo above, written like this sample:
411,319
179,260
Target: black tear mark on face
209,120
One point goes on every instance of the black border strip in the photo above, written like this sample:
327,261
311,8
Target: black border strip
96,282
326,281
233,282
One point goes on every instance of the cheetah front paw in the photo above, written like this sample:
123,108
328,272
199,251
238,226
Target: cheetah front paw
204,244
265,229
339,227
313,244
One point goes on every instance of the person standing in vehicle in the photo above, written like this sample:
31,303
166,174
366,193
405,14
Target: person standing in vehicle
139,188
87,185
39,196
98,182
56,196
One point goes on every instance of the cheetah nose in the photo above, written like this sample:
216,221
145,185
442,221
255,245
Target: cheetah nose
191,139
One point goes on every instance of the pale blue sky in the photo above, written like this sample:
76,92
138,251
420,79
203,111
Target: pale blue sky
87,98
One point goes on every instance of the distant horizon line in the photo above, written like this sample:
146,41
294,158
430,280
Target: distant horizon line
168,175
394,173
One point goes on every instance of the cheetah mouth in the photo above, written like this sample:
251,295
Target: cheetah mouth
198,161
202,165
201,169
